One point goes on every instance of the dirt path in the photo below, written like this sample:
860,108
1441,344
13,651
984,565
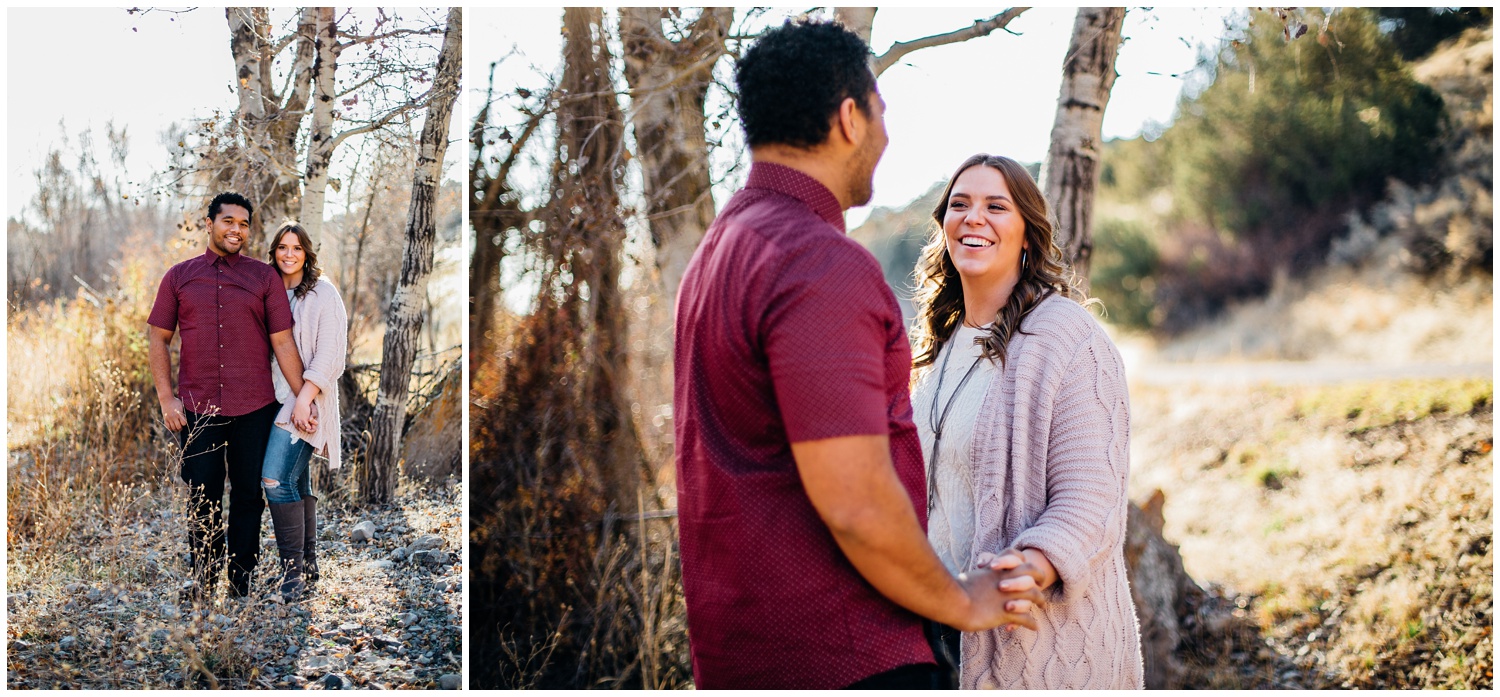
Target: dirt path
1246,373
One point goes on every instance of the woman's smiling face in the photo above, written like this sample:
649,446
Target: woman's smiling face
289,254
984,230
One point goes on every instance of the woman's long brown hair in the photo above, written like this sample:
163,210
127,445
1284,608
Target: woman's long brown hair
940,296
310,270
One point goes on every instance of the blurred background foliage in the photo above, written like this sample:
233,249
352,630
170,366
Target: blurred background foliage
1360,141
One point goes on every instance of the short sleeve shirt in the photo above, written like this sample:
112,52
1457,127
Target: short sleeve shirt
226,309
785,332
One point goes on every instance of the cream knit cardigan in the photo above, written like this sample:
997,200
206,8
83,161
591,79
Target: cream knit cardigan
1050,455
320,329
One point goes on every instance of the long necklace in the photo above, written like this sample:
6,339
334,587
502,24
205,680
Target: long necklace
938,420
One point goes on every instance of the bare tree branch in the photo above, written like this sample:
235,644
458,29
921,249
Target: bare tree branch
384,119
356,40
980,28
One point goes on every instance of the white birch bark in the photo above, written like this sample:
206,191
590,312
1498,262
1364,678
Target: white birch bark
267,171
320,140
1071,173
376,480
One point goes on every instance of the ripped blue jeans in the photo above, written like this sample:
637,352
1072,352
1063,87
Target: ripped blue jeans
284,474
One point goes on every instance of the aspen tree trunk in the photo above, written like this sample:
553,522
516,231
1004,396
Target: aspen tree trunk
376,481
268,173
668,84
860,20
1071,173
320,141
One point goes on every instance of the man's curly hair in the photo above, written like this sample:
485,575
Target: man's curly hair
228,198
792,81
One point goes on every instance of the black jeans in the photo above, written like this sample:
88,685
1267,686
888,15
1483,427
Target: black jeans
213,446
922,676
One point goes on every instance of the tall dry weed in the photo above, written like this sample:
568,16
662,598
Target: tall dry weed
82,406
569,590
573,587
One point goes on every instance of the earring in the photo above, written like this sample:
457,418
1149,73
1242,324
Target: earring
1023,259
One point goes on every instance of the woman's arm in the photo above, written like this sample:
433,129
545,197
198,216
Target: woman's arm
326,363
326,360
1088,453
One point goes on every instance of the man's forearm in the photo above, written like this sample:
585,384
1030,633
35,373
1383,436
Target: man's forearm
891,553
161,367
289,360
873,522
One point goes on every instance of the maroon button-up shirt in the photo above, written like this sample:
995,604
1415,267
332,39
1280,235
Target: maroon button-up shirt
226,309
786,332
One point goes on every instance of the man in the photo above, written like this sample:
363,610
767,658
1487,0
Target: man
232,311
801,496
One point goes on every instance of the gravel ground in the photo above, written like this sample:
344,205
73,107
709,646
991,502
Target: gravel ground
105,614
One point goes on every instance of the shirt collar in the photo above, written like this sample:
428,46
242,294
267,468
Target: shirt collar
788,181
229,260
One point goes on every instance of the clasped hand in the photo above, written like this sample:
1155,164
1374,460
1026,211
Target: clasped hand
305,415
1004,589
998,600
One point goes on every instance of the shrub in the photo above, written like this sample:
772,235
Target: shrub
1123,274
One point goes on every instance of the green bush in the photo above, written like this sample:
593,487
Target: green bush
1263,164
1289,128
1123,275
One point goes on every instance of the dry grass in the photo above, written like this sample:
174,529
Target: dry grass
1339,314
96,531
1356,518
572,588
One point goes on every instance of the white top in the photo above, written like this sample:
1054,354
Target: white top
950,524
278,381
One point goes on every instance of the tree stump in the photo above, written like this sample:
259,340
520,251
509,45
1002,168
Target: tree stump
1165,596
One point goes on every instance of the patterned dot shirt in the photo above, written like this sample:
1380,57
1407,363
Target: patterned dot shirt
786,332
226,308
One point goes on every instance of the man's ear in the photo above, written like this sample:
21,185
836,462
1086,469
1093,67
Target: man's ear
849,127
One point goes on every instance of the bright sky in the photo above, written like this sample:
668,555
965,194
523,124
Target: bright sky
141,72
997,94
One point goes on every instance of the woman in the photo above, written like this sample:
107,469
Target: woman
308,421
1026,435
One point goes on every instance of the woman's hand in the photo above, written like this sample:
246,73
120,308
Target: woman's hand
305,411
303,417
1018,562
1017,574
996,602
1020,568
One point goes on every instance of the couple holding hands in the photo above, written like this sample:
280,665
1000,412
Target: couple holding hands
858,510
263,346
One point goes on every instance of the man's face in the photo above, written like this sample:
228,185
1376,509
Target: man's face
228,232
867,156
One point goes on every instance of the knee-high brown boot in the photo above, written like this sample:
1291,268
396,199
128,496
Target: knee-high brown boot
288,522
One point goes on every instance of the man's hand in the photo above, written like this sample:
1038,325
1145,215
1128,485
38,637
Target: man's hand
996,601
172,414
854,488
157,340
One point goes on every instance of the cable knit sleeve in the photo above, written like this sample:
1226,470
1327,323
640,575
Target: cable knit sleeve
331,343
1087,465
